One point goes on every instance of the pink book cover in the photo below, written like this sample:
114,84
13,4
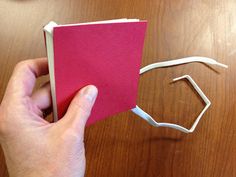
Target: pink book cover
105,55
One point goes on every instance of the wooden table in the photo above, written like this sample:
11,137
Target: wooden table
125,145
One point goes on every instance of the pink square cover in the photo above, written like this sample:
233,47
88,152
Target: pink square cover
105,55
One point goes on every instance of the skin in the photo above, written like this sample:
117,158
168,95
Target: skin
32,146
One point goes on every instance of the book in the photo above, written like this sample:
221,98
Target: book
106,54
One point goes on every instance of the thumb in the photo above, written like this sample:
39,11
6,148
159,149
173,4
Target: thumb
80,108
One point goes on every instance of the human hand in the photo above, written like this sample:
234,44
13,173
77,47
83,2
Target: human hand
32,146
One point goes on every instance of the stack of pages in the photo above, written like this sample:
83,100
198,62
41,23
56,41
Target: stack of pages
106,54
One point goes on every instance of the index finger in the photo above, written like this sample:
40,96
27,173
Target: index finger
24,76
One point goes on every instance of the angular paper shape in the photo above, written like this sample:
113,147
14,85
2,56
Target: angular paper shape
106,55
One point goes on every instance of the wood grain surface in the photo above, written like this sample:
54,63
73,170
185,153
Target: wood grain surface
125,145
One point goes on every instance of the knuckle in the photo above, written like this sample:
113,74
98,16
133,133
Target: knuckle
82,109
71,135
22,65
8,125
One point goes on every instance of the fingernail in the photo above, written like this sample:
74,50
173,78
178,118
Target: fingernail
90,93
